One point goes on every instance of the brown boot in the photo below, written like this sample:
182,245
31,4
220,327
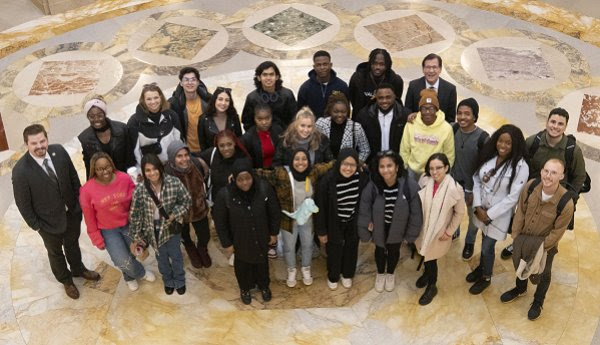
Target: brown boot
192,253
204,257
71,290
88,275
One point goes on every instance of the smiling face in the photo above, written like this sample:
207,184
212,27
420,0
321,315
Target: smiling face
305,127
385,98
504,145
96,117
104,170
551,174
151,173
428,114
152,101
339,113
37,145
268,78
226,147
432,70
556,126
465,118
300,162
182,159
222,102
378,65
189,82
244,181
437,170
388,170
348,167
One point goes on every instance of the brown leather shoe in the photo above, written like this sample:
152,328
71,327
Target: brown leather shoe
88,275
204,257
71,290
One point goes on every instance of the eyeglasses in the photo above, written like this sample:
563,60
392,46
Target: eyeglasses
189,80
103,169
223,89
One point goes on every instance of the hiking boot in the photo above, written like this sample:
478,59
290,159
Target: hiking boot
512,295
475,275
535,311
428,295
467,253
480,285
507,252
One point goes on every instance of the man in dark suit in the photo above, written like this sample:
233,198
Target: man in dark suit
446,92
46,190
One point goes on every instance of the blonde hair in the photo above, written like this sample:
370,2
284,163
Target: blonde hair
290,136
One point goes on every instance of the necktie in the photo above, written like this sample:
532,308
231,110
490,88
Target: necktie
50,172
432,88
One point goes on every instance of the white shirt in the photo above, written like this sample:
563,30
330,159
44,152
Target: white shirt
546,197
435,86
385,123
40,161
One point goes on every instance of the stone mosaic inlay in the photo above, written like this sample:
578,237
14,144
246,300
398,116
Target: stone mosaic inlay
177,40
589,118
514,64
291,26
66,77
404,33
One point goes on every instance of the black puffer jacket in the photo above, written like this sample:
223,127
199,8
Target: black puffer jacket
178,101
363,86
121,150
283,154
284,108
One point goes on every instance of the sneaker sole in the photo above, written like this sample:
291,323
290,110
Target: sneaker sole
514,299
290,285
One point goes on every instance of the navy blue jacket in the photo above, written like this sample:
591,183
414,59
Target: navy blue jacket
315,94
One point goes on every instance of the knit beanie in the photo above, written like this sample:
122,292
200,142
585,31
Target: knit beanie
429,96
471,103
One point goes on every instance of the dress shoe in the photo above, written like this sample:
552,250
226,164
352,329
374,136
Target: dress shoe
71,290
181,290
88,275
169,290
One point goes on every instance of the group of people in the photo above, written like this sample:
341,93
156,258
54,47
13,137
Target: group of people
303,173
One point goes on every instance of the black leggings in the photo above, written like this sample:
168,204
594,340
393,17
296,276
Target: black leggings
202,233
431,271
390,255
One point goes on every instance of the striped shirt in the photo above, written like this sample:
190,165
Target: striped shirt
347,198
390,194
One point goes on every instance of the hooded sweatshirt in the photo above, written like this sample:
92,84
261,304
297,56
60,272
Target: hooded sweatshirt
420,141
363,86
315,94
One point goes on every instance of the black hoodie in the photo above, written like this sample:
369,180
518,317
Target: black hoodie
363,86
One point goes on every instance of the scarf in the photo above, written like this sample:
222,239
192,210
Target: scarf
239,166
300,176
432,207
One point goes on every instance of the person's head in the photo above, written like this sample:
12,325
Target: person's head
347,162
385,96
557,122
228,143
380,62
552,173
322,64
389,166
102,167
152,99
242,174
267,76
432,67
300,160
437,166
152,168
36,139
263,117
428,106
221,102
95,110
179,155
467,113
338,107
189,79
304,123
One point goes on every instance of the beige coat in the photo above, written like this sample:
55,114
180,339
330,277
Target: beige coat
441,213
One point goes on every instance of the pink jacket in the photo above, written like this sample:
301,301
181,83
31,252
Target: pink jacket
106,206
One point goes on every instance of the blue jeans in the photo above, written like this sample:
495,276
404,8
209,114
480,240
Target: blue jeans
117,243
306,243
170,262
488,254
471,228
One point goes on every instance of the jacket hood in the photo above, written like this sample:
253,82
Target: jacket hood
439,120
174,147
363,68
312,75
202,91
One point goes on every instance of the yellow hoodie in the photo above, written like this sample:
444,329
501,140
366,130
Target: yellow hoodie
420,141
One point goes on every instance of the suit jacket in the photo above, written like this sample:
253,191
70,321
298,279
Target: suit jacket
446,97
40,202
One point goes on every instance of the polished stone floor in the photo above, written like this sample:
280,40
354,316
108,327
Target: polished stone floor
518,58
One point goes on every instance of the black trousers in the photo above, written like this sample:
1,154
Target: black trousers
389,255
69,240
202,233
341,257
545,278
431,271
250,274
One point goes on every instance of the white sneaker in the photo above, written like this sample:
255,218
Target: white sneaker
306,276
332,285
347,282
390,282
231,260
132,285
291,278
379,282
149,276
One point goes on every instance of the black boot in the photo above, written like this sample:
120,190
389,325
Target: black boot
428,295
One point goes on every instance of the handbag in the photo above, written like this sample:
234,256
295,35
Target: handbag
175,227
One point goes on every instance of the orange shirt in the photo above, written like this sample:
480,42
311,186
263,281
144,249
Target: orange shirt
194,112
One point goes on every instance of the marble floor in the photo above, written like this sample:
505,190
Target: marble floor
518,58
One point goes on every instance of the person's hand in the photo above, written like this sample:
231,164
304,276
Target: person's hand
323,239
228,250
481,214
445,237
370,227
411,117
139,178
469,199
273,240
230,178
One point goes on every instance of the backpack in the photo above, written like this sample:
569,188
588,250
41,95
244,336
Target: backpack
569,152
569,195
480,141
